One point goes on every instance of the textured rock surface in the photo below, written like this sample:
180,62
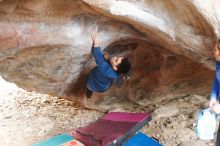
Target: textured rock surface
45,45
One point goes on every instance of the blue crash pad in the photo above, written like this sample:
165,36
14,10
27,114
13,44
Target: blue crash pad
140,139
55,141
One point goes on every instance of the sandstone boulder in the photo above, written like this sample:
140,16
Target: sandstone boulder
45,45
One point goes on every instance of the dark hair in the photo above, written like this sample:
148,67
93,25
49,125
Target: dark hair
124,67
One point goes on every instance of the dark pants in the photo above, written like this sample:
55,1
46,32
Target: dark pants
88,93
218,137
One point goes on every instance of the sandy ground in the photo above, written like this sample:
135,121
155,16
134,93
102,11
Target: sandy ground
29,117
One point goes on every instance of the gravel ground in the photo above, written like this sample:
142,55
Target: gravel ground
29,117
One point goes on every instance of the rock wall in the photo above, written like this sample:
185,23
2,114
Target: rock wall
45,45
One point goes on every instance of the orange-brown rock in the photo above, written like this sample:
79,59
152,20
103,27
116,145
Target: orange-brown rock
45,45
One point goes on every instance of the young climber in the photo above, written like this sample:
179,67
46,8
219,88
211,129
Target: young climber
107,69
214,100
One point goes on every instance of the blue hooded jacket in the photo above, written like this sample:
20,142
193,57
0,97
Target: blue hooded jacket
103,75
216,83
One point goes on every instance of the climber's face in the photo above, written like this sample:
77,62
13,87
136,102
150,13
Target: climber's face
216,51
115,61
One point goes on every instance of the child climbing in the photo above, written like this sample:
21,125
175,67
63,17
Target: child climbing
107,69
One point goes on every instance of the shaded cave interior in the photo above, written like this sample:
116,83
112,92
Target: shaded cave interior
155,74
